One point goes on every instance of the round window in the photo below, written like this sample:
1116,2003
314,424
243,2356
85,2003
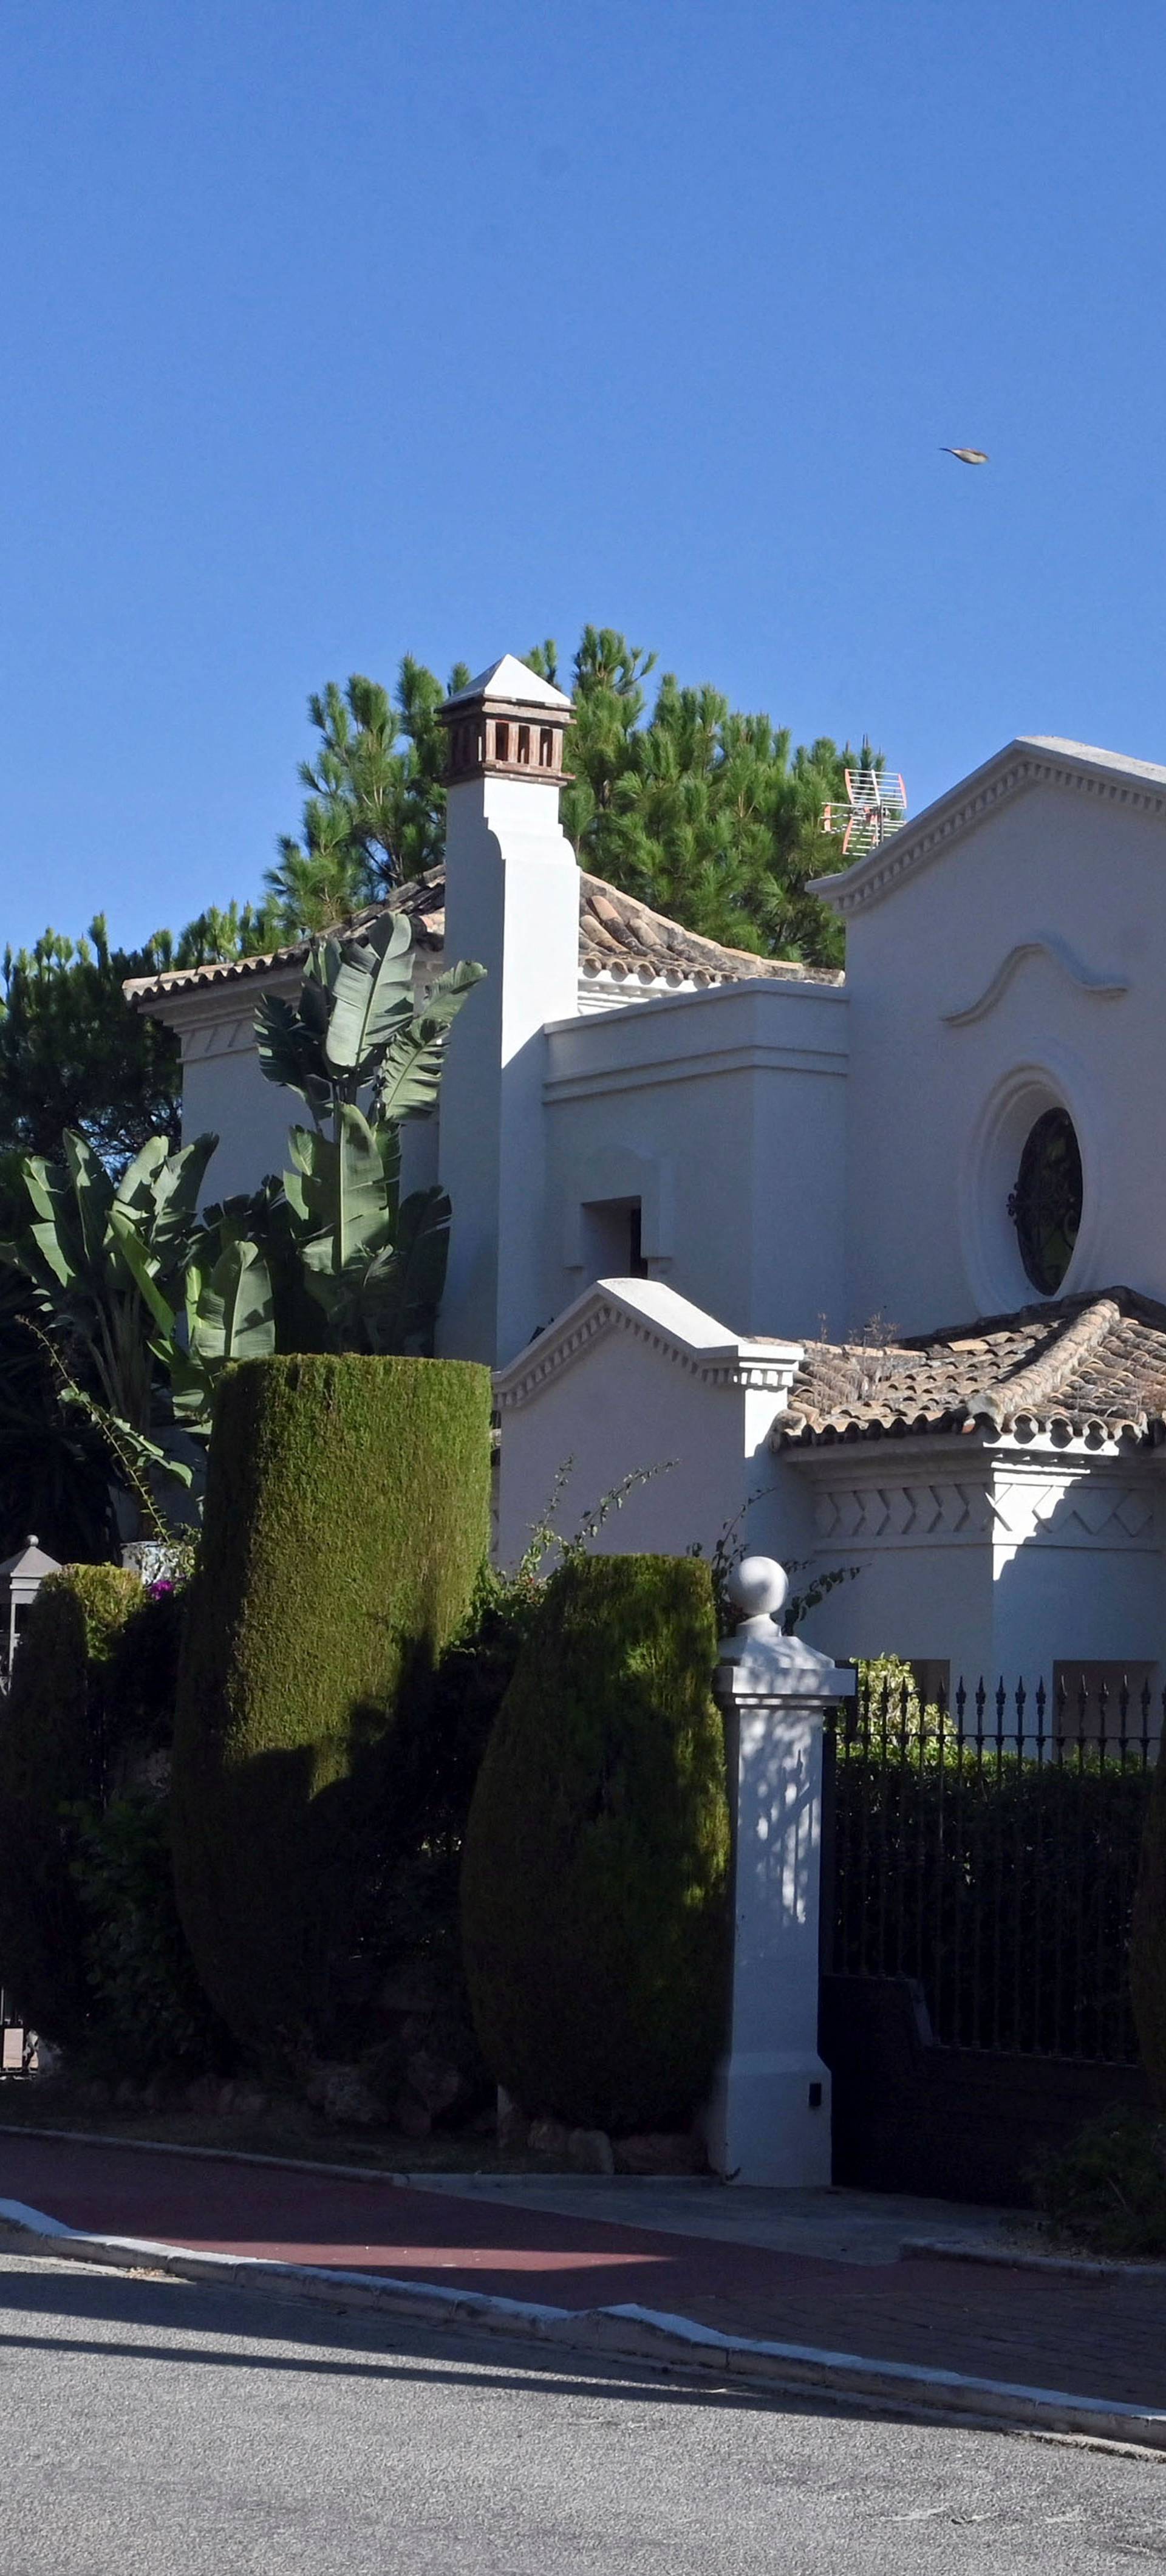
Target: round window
1045,1205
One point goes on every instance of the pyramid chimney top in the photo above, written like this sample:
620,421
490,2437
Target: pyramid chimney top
508,723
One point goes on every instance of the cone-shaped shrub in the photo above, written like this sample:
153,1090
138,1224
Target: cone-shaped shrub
594,1883
346,1518
1148,1940
54,1735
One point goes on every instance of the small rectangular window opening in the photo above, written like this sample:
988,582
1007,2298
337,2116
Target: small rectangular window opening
613,1239
545,739
502,742
524,746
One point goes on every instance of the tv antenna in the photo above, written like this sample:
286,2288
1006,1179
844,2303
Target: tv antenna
876,804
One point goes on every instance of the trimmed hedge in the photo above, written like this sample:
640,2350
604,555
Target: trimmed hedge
54,1746
346,1520
1148,1940
595,1876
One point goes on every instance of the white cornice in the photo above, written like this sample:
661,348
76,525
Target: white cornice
660,1319
1138,787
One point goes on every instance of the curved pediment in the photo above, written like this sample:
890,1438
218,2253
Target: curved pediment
1105,988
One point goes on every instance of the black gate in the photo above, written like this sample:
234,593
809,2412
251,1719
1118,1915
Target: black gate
979,1865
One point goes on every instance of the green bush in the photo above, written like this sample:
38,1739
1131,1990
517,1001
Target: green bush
148,2008
1148,1939
1106,2190
54,1750
407,1904
594,1883
143,1680
346,1520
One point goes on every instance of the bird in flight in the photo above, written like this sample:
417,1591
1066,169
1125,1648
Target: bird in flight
966,455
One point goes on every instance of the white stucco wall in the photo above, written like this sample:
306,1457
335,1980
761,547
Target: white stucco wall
647,1387
225,1093
1048,911
725,1113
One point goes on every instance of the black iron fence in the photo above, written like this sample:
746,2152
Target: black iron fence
989,1849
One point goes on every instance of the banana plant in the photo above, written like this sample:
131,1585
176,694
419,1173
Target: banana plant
373,1264
139,1304
356,1028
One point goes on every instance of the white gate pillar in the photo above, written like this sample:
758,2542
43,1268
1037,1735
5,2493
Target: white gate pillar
768,2119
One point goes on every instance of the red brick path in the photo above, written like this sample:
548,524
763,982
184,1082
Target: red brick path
1101,2338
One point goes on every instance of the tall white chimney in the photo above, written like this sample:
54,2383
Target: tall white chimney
512,902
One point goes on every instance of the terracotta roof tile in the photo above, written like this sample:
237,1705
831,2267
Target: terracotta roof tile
1091,1366
617,936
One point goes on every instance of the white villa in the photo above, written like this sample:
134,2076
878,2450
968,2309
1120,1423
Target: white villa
877,1261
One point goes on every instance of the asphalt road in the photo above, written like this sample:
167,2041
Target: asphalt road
145,2426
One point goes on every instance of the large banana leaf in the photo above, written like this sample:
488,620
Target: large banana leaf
401,1290
92,1192
160,1192
142,1268
407,1083
372,993
290,1054
230,1316
234,1316
342,1193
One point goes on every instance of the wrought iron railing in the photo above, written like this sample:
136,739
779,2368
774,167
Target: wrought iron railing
989,1850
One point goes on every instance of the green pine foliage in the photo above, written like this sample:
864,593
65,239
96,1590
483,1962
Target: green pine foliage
595,1877
54,1752
1148,1940
74,1053
707,814
347,1518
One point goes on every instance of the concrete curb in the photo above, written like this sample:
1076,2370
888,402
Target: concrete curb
1074,2267
629,2333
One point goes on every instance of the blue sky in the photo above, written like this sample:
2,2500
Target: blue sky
335,328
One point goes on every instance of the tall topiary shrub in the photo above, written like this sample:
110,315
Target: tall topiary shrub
1148,1940
594,1883
346,1519
54,1747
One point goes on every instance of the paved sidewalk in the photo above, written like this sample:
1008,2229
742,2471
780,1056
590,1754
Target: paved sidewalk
1099,2338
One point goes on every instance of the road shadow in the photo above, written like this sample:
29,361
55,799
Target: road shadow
45,2306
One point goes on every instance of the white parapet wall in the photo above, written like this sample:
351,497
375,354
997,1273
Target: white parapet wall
634,1379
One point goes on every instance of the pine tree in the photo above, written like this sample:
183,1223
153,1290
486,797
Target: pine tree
375,810
707,814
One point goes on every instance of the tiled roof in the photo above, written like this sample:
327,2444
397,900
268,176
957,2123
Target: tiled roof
617,937
1091,1366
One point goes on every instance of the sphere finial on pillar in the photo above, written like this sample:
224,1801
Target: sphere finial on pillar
759,1586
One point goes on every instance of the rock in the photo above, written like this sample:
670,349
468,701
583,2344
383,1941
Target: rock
660,2151
410,2115
249,2101
342,2095
434,2080
548,2137
590,2151
512,2125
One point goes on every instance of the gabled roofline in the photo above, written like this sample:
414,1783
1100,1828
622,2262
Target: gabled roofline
1032,760
656,1314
